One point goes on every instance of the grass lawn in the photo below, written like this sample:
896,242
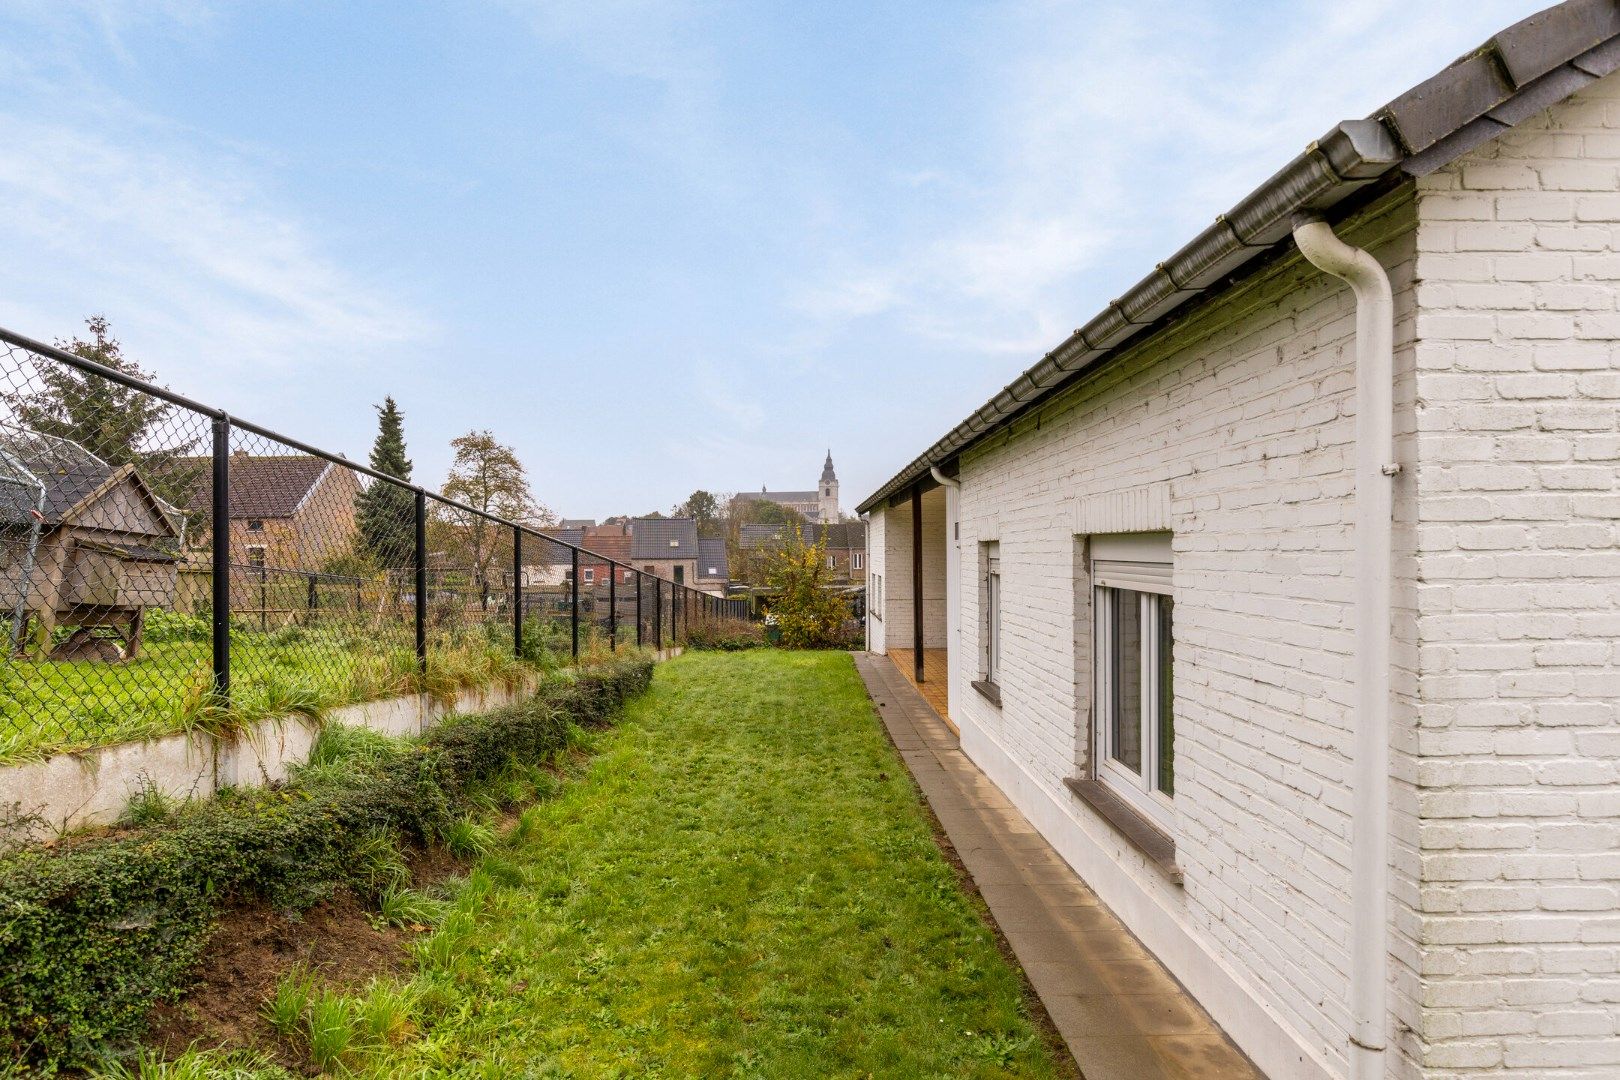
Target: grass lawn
742,883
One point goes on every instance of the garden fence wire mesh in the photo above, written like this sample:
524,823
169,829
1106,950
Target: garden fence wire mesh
164,565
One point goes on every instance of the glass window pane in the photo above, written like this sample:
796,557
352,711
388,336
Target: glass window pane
995,627
1125,679
1167,698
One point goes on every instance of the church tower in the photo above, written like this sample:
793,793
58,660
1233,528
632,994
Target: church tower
827,496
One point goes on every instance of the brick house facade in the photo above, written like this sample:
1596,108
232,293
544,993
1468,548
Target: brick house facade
1148,577
293,511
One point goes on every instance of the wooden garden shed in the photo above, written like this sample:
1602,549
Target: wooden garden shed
85,545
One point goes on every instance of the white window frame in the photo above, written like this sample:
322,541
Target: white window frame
1136,569
990,658
588,576
859,561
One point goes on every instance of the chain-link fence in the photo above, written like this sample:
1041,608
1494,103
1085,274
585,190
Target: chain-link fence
165,566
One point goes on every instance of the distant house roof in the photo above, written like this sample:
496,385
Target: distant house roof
712,559
664,538
614,546
270,486
578,523
751,537
845,534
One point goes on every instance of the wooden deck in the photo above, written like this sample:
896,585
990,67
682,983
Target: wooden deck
933,686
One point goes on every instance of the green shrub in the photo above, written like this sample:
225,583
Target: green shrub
161,625
726,635
93,935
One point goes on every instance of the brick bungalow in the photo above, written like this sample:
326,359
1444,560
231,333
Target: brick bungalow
1282,596
293,511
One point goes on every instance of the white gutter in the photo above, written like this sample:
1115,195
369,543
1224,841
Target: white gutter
1369,798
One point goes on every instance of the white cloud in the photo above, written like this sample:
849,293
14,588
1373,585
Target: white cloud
1106,124
182,241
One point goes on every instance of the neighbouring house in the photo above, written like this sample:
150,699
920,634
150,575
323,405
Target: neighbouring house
579,523
1283,597
288,511
845,550
608,546
821,504
666,547
86,545
550,564
713,570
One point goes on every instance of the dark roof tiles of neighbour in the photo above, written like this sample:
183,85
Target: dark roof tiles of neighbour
615,547
664,538
845,534
261,486
712,559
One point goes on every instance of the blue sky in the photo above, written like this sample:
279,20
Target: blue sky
655,245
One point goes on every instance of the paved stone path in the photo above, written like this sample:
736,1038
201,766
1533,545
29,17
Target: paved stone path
1121,1014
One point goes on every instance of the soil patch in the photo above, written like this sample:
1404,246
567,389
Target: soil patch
253,947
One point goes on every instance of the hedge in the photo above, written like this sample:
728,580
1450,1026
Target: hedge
93,935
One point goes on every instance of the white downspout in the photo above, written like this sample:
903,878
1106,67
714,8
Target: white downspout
953,585
1375,473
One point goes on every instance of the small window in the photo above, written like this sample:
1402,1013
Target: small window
588,575
858,560
256,555
714,571
255,525
674,543
990,620
832,562
680,574
1134,644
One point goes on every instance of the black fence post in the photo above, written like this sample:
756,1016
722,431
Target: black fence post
658,614
613,607
573,619
421,581
221,541
638,607
314,595
517,592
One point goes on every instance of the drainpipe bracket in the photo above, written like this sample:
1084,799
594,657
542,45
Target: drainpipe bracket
1392,469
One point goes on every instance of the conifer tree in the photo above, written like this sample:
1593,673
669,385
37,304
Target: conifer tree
387,512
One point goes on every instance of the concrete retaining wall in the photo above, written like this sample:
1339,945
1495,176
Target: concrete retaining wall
93,787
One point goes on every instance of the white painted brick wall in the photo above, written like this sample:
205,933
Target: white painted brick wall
1506,734
1517,530
1245,415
